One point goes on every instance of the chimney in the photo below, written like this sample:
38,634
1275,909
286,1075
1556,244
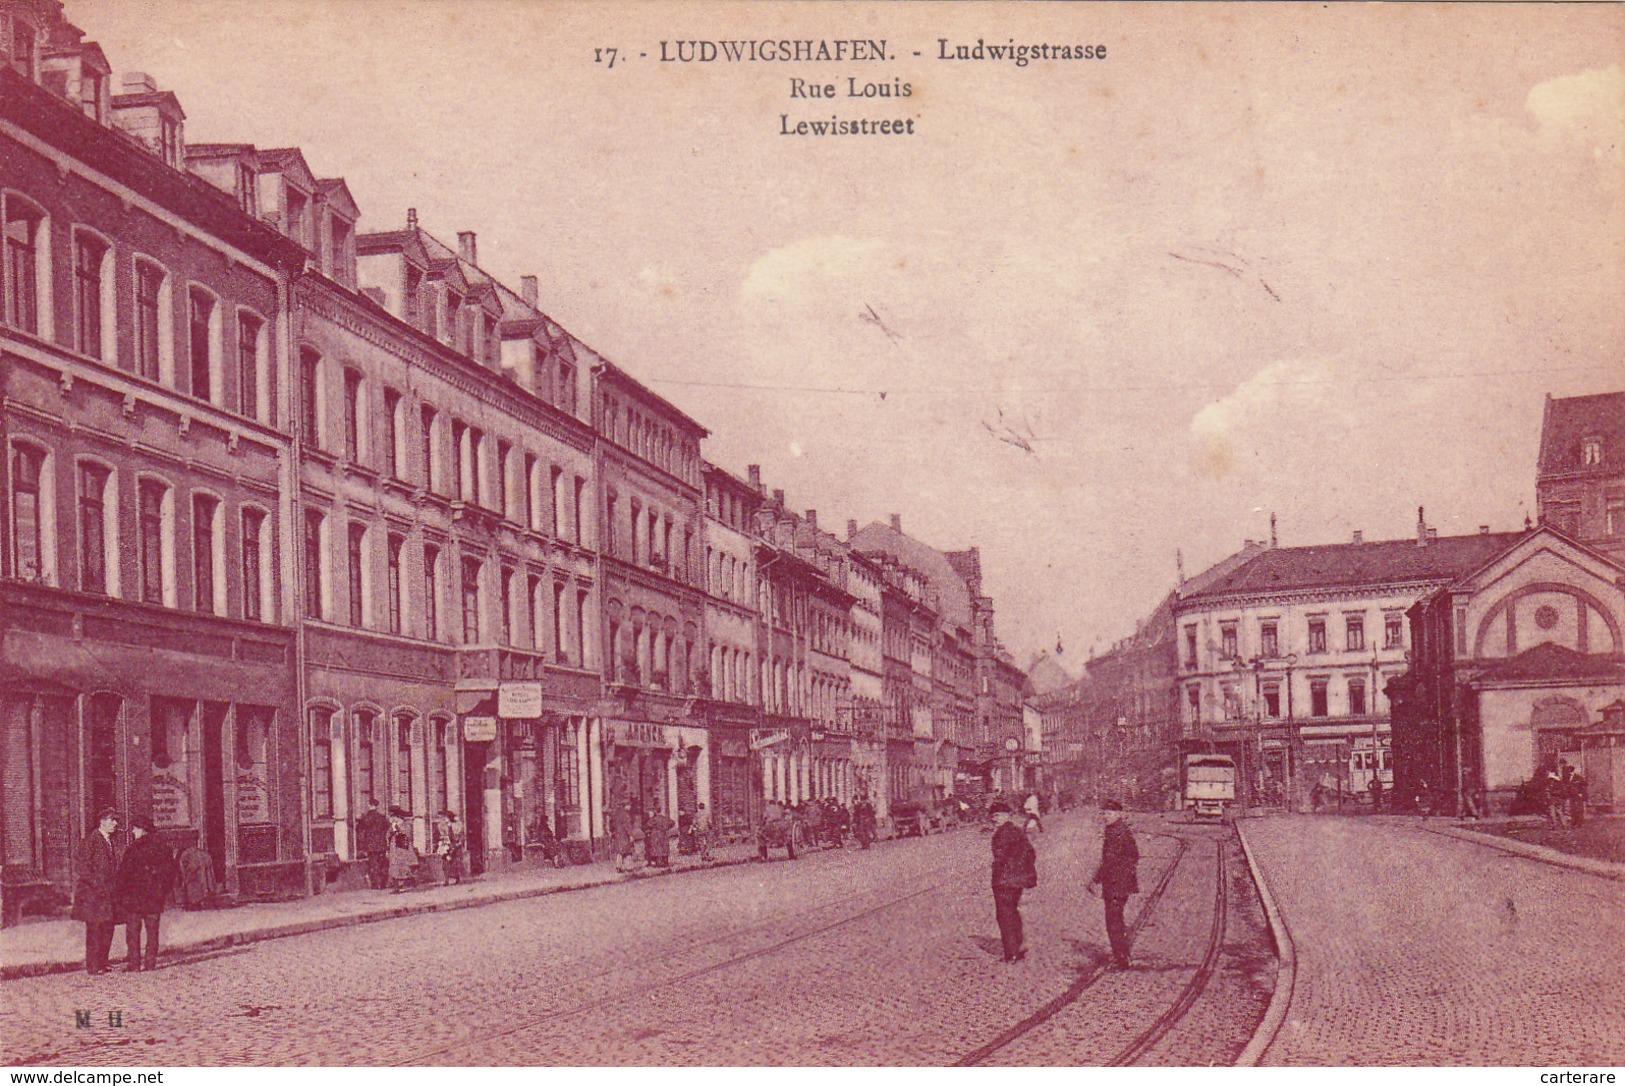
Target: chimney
851,528
778,496
1246,543
139,83
466,248
1272,529
1359,536
527,289
1179,564
1433,533
812,519
1483,529
897,523
1421,528
754,471
411,218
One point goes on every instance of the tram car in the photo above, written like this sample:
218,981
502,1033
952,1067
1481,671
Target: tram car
1210,785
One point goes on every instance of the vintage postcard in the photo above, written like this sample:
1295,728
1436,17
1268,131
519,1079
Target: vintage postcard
811,534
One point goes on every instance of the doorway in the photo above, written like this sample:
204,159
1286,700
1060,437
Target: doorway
214,787
474,756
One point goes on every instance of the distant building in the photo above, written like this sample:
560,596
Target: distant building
1580,480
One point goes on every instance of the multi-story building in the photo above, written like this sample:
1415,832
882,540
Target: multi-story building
1283,660
1580,478
655,752
728,687
867,711
148,656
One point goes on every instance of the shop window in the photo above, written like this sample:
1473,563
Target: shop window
253,756
172,743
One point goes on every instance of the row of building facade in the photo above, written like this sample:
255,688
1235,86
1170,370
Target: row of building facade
302,517
1456,666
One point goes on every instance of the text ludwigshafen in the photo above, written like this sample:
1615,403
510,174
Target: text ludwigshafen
855,49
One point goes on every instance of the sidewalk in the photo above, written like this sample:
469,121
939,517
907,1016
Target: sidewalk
58,946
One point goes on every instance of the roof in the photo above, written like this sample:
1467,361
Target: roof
1341,565
953,594
1047,674
1549,660
1568,422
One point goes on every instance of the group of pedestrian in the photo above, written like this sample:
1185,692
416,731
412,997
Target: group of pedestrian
385,845
1563,797
652,833
128,886
1015,870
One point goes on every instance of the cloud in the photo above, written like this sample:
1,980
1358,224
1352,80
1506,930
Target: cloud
803,270
1588,107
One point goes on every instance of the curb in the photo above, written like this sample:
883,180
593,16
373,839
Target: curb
1286,973
1602,868
307,927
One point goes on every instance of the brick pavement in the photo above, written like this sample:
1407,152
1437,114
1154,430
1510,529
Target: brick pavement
1418,948
878,957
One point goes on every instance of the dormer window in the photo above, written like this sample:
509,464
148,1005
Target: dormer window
22,47
1591,452
246,196
342,262
298,212
454,305
169,132
90,92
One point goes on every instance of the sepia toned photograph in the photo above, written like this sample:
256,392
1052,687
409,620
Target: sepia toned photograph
811,534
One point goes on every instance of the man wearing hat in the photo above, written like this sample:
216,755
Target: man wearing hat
1015,869
93,893
145,877
1116,876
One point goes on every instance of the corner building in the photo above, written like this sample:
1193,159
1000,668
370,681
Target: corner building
147,656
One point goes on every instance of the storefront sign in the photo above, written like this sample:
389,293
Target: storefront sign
479,729
519,701
637,733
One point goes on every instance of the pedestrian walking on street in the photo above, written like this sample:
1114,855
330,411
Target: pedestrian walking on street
1552,797
657,839
1117,877
700,827
1577,798
372,842
1015,868
1375,788
93,892
863,821
620,831
1031,807
146,875
402,858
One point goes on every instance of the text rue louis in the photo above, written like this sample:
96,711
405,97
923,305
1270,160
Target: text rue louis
854,88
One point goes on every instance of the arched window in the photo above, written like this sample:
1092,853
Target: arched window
208,555
154,340
33,513
97,501
25,270
203,346
405,724
93,301
312,404
155,517
257,565
256,390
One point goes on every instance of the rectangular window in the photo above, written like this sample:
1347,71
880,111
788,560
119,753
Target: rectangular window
248,364
538,607
1317,697
403,763
506,589
393,582
1317,635
1190,648
352,416
559,652
150,496
253,530
363,760
204,589
355,554
526,513
471,601
1272,700
200,312
459,461
431,592
437,767
309,397
580,490
22,267
1231,700
93,528
426,437
1356,697
1228,640
1614,516
315,602
567,388
321,763
1393,631
88,255
149,284
557,491
392,432
1354,625
27,509
1461,632
1269,641
504,475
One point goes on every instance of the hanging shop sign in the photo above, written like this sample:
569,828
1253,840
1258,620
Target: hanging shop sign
479,729
519,701
760,739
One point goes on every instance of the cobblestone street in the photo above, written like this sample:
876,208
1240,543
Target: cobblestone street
887,957
1418,948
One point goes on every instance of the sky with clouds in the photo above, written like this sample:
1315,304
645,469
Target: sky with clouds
1320,261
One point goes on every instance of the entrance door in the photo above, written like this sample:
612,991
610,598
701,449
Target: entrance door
214,787
474,756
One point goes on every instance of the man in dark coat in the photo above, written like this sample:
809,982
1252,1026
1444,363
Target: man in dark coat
372,842
93,894
140,890
1117,877
863,821
1015,869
